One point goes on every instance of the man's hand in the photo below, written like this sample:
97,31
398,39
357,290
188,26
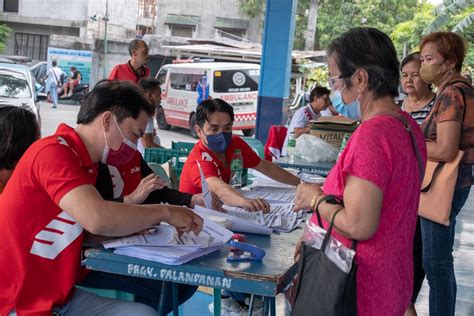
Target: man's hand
255,205
146,186
304,194
198,199
184,219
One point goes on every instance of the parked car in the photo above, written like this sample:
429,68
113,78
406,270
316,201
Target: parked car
17,88
39,72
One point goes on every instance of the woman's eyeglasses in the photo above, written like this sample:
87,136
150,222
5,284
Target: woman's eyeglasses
332,81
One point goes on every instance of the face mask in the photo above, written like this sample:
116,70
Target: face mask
431,73
121,156
219,142
336,98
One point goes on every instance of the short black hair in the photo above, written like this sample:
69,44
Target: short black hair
134,45
208,107
54,63
318,92
370,49
18,130
410,57
73,68
123,98
150,84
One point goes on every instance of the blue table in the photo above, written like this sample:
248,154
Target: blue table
266,278
302,165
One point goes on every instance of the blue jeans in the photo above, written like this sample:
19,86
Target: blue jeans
438,243
53,89
146,291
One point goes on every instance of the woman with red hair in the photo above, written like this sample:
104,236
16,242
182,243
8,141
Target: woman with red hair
448,129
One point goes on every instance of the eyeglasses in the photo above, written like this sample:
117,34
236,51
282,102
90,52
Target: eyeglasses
332,81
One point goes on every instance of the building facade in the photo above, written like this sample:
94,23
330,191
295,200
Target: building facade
208,20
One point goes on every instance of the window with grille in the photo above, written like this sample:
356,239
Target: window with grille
10,6
34,46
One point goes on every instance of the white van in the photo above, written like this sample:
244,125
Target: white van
236,83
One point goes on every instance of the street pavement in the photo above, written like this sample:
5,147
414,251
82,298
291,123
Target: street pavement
463,245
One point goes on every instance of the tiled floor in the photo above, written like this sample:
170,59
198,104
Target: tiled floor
463,263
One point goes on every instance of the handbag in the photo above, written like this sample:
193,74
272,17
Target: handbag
322,288
437,189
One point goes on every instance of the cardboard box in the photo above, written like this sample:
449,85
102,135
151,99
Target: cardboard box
331,129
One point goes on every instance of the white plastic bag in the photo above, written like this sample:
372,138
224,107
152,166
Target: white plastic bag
336,252
314,149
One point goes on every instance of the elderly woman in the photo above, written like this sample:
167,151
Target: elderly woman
418,104
377,175
449,128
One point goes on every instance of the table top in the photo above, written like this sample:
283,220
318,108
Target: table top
267,277
303,165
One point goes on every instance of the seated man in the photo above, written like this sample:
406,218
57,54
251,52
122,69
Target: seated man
73,81
18,130
319,100
214,152
150,139
135,183
50,203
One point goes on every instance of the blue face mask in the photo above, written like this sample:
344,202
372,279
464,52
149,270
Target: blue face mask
352,109
219,142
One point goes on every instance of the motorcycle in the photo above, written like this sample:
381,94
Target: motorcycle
77,94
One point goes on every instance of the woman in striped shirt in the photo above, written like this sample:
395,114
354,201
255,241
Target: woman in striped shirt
418,104
420,98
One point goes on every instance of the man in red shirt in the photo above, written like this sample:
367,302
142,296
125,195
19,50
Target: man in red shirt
214,152
135,69
50,208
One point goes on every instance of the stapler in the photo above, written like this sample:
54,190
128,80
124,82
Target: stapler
244,252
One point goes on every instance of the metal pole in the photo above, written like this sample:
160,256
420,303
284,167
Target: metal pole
106,20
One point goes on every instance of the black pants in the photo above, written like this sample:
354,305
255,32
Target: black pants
419,272
146,291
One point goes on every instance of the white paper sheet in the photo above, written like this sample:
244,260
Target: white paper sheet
206,194
162,236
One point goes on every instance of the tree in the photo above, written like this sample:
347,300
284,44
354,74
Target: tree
444,13
4,33
407,35
312,22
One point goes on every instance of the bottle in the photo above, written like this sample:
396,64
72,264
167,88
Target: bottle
343,144
290,148
236,168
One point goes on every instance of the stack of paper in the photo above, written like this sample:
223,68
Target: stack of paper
167,247
236,224
262,180
280,218
270,197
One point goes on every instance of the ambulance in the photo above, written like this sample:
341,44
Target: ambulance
185,85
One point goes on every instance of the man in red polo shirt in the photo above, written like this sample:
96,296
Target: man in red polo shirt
214,151
50,206
135,69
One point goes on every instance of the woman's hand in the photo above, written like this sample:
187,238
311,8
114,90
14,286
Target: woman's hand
304,194
298,246
146,186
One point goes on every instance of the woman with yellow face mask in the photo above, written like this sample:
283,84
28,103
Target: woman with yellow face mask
448,129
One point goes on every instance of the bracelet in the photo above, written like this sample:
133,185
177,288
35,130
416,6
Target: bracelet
314,200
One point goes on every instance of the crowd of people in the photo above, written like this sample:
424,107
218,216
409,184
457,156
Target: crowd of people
83,185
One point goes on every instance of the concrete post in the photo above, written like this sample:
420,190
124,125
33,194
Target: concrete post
274,86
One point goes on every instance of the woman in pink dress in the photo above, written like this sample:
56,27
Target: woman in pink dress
377,175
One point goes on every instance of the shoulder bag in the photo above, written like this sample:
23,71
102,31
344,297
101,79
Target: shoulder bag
437,189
